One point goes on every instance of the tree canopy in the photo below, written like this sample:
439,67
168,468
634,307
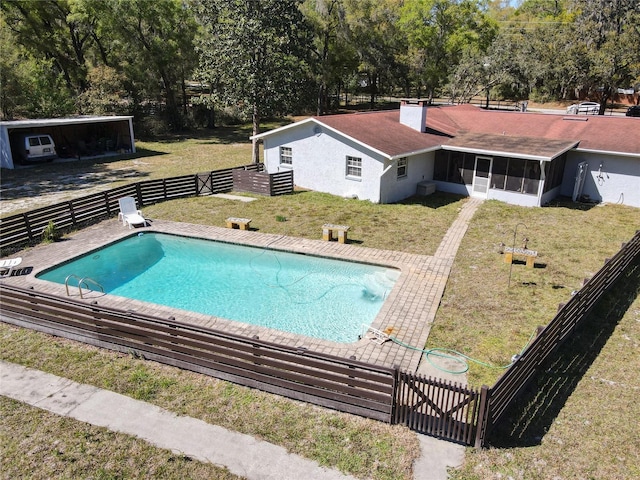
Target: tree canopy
255,52
174,59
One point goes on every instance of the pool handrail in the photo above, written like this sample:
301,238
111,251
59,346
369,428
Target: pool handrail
81,281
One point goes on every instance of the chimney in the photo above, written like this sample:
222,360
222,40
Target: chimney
413,113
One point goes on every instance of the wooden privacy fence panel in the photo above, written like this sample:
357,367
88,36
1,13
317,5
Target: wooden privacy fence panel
325,380
281,183
435,407
568,318
154,191
263,183
27,227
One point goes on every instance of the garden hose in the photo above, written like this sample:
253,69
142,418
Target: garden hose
457,357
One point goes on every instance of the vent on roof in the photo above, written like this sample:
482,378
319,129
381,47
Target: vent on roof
576,119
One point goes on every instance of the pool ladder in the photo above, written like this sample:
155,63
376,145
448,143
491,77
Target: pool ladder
81,281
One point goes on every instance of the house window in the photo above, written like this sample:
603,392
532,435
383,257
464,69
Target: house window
515,173
402,167
286,156
456,167
531,177
354,167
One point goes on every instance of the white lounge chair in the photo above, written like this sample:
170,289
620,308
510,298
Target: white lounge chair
129,214
9,264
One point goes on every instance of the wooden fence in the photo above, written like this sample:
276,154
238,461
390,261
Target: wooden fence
27,227
262,182
329,381
429,406
437,408
569,317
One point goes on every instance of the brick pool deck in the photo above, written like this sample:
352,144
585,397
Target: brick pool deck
408,311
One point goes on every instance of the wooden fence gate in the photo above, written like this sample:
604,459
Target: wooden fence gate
438,408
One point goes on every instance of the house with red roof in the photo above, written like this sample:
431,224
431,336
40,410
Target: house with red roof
520,158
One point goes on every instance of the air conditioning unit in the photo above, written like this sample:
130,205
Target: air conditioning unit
425,188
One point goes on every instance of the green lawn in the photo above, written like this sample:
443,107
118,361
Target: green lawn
489,311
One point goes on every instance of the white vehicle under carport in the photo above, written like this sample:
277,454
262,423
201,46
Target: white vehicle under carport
33,147
586,108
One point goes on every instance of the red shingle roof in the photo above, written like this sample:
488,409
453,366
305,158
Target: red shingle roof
503,145
384,132
605,133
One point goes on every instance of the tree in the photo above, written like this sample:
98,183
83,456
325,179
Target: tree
49,31
105,94
610,31
152,43
256,51
29,87
439,32
373,34
333,56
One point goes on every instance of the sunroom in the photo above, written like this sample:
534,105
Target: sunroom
518,170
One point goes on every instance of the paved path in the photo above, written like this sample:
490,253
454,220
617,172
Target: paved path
447,251
242,454
210,443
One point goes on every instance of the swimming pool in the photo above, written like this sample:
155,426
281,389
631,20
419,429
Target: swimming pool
302,294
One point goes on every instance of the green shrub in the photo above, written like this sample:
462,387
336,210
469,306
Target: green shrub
51,233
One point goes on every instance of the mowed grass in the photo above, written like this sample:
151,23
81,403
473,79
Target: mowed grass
37,444
489,311
579,420
364,448
416,225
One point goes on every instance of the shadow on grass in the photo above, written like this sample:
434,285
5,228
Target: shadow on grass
529,419
566,202
70,174
435,200
221,135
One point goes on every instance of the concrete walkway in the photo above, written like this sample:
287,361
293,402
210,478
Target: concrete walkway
241,454
248,457
447,251
438,455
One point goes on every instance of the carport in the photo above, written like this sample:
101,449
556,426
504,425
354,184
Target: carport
75,137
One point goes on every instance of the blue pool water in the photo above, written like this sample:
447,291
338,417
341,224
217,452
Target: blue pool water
317,297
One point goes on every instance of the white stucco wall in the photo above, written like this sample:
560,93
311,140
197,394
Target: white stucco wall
618,181
550,195
319,161
456,188
414,115
394,189
514,198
